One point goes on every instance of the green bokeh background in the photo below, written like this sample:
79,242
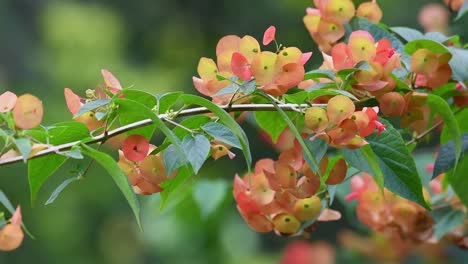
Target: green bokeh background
151,45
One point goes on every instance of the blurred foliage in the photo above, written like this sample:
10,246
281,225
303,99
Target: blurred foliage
154,46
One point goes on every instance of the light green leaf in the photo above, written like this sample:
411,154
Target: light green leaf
408,34
459,63
130,111
171,185
40,169
110,165
272,122
446,220
144,98
435,47
209,194
24,147
365,160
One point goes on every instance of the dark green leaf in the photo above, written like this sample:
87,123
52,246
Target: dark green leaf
446,158
209,194
172,160
461,118
317,93
374,165
318,147
446,219
440,106
59,189
221,133
459,181
197,149
110,165
91,106
395,161
171,185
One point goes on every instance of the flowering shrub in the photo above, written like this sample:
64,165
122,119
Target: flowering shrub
354,121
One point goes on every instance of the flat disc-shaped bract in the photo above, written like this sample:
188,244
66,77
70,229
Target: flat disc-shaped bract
361,119
292,157
342,57
7,101
73,101
339,108
288,55
411,115
285,176
111,81
286,224
240,66
316,119
90,120
11,237
370,10
153,170
28,111
330,31
207,69
229,43
249,47
343,133
135,147
263,67
311,22
362,46
265,165
339,10
290,76
257,222
129,169
392,104
260,189
307,208
424,61
337,173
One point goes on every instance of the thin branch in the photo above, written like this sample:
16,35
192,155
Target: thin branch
164,117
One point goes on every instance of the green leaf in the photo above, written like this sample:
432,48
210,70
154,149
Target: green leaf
318,147
459,63
435,47
193,122
144,98
172,160
110,165
316,93
446,220
459,181
60,188
197,149
130,111
65,132
319,73
167,100
74,153
230,89
408,34
461,118
209,194
40,169
440,106
91,106
272,122
396,163
227,120
221,133
24,147
364,159
171,185
377,31
308,156
462,11
297,97
446,158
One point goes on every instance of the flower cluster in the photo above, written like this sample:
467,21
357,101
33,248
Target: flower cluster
242,58
325,22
